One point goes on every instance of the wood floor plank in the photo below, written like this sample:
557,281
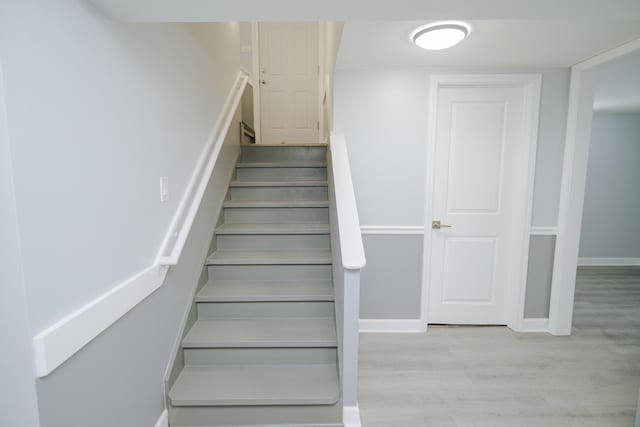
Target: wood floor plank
492,376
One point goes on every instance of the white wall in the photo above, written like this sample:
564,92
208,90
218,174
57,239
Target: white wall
383,113
18,402
611,216
98,111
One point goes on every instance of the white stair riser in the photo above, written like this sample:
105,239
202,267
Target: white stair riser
260,356
278,193
235,310
229,416
260,242
276,215
283,154
270,272
281,174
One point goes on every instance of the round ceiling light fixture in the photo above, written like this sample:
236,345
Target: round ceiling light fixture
441,36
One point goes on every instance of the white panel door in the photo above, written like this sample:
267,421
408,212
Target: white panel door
289,83
480,178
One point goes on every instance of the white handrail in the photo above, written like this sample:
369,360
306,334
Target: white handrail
176,236
348,223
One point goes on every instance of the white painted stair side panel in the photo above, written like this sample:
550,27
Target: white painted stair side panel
350,237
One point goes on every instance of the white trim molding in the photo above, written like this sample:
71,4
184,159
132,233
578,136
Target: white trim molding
535,325
544,231
391,325
605,262
392,229
573,185
176,237
64,338
351,416
58,342
163,420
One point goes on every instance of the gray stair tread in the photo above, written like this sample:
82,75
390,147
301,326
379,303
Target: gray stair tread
288,145
301,183
276,204
306,256
262,332
232,385
273,229
281,165
264,290
266,425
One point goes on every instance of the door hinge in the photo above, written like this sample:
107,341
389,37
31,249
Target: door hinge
318,125
318,70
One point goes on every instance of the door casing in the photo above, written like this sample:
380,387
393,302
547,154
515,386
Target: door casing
531,84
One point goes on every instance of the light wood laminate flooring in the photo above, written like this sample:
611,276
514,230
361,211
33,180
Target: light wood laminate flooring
492,376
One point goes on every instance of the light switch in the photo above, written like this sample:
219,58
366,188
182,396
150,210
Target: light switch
164,188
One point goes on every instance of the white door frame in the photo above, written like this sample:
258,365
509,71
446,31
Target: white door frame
254,80
574,176
532,83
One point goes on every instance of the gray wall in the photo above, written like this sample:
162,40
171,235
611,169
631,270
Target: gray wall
539,275
18,403
383,112
611,216
391,280
98,110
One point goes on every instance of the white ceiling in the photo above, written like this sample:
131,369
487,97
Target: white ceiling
492,43
618,85
340,10
506,33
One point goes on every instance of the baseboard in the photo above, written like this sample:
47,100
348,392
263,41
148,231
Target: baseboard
351,416
535,325
163,421
604,262
391,325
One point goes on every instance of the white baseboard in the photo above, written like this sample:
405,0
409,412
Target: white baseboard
603,262
391,325
351,416
535,325
163,421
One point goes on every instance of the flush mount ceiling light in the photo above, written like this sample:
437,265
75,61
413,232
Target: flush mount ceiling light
440,36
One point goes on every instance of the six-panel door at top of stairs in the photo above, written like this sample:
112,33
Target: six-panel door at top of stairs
263,348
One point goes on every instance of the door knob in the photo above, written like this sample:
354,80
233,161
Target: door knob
437,225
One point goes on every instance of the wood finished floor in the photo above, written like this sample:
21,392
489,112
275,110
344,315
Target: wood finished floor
491,376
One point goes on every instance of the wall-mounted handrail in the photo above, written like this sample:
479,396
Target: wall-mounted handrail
176,236
351,246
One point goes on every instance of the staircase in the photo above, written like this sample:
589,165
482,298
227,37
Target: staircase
263,349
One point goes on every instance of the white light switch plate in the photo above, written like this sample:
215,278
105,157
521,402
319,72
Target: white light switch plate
164,188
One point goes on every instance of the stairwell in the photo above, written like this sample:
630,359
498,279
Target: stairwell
263,348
